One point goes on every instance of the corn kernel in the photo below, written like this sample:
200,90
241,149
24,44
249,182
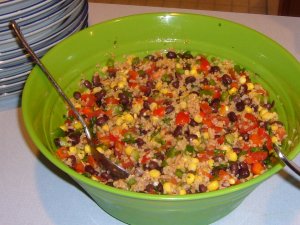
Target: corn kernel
121,84
155,119
154,173
231,181
153,106
136,108
193,72
182,192
168,187
232,91
195,160
105,127
183,105
128,117
190,178
248,109
158,85
119,121
87,149
211,163
178,65
196,142
96,89
226,148
192,167
113,84
274,127
77,125
274,139
99,149
72,150
212,186
250,86
198,118
242,80
104,69
206,135
268,116
128,150
63,127
164,91
186,72
124,126
94,178
77,105
232,156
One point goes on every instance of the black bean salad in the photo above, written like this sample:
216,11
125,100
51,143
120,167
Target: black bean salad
178,122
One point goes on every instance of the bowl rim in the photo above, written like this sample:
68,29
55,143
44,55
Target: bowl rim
144,196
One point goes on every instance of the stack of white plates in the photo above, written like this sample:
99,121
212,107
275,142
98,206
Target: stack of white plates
44,23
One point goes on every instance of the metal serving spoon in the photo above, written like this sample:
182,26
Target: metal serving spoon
114,169
286,161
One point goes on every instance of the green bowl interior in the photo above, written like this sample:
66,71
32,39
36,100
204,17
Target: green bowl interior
76,58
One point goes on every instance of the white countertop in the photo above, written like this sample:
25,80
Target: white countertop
34,192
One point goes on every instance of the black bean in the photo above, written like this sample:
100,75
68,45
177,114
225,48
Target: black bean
177,131
245,136
124,99
190,79
100,95
112,73
186,66
150,57
74,138
215,171
193,123
234,168
202,188
106,176
89,169
153,165
150,188
169,109
96,81
171,55
57,142
140,142
159,156
243,173
88,84
226,79
269,105
243,165
232,116
146,104
247,101
254,107
187,55
150,84
102,120
77,95
147,91
240,106
214,69
243,89
178,76
159,188
214,104
175,84
143,112
205,81
142,131
237,150
72,159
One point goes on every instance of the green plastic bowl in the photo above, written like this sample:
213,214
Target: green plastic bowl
77,57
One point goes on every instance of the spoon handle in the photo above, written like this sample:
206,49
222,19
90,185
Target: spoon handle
287,162
116,170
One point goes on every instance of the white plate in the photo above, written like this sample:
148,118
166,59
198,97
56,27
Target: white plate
39,34
70,27
14,11
42,18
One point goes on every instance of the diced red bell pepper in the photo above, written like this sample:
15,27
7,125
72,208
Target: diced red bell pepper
79,167
254,157
111,100
182,118
62,153
205,108
160,112
204,64
88,99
